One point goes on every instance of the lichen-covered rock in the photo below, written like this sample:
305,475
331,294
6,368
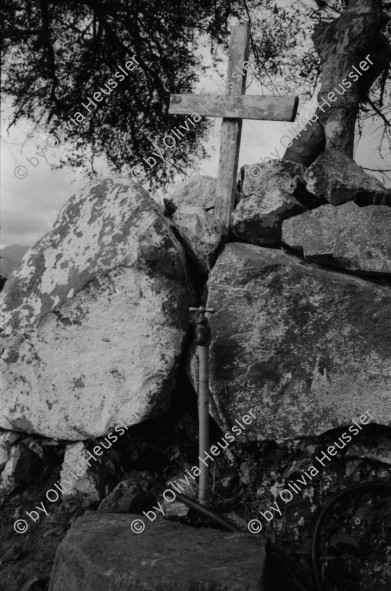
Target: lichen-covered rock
271,193
107,226
102,552
352,237
194,219
281,175
336,178
306,348
95,317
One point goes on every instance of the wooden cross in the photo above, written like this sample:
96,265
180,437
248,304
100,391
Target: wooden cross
236,107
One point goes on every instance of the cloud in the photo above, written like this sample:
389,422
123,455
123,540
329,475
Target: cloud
30,205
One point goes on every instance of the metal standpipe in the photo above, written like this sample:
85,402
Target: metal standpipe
203,340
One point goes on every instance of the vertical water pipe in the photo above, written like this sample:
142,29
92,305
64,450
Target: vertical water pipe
203,339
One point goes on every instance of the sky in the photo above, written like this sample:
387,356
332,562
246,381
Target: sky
29,205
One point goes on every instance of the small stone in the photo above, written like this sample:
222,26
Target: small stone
174,509
74,477
82,475
20,469
127,497
185,485
234,518
7,439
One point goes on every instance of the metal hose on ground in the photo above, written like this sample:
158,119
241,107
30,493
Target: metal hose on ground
374,486
201,509
208,513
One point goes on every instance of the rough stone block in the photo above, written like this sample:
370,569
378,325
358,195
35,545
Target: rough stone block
351,237
270,194
194,219
335,177
100,553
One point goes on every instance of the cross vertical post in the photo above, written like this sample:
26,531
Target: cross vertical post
231,130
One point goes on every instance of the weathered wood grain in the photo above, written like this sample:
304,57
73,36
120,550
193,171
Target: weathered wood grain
231,131
270,108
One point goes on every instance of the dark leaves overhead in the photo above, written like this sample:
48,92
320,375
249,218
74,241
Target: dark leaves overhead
59,53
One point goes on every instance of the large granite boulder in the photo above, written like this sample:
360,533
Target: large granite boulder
306,348
270,193
194,219
95,318
102,552
352,237
336,178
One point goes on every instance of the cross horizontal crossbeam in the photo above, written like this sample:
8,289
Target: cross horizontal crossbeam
270,108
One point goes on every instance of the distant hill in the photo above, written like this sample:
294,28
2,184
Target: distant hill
10,257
